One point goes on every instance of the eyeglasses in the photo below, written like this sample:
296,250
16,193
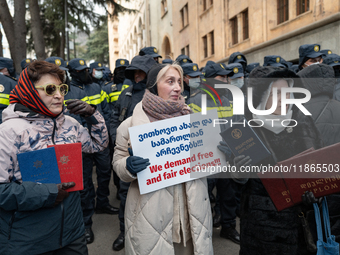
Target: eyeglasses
51,89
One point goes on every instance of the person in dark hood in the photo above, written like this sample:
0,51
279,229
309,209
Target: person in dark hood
264,230
136,72
238,57
320,81
333,60
183,59
7,67
107,75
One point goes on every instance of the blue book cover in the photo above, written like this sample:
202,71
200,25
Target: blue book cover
39,166
242,140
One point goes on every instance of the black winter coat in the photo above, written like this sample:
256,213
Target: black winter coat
264,230
320,81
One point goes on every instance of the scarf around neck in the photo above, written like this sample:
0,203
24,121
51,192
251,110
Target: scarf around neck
157,108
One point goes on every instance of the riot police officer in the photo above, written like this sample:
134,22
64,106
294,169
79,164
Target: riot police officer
62,65
273,60
25,62
7,82
238,57
190,72
333,60
96,71
152,51
310,54
183,59
252,66
83,88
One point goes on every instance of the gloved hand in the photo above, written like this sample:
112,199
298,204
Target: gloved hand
135,164
309,199
80,107
62,193
223,146
238,176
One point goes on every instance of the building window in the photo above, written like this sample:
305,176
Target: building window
282,11
205,46
164,7
185,51
204,4
212,43
245,24
184,16
234,30
302,6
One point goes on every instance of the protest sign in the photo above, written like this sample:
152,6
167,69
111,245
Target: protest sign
175,148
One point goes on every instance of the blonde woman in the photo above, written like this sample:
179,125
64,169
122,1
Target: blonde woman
173,220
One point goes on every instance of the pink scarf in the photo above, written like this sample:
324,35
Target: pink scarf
156,108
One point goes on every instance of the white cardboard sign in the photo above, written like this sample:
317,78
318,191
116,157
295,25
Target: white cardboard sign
174,147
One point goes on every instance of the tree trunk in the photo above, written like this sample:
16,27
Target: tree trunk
37,30
8,25
62,45
1,48
20,33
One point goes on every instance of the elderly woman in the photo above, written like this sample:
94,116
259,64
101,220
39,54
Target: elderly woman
264,230
173,220
40,218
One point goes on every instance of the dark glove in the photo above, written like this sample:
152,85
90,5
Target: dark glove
242,160
62,193
308,199
80,107
223,146
135,164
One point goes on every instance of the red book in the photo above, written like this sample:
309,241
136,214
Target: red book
70,164
317,171
277,188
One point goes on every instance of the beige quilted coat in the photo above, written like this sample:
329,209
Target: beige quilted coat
149,217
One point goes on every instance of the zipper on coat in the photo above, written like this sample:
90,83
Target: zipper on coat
10,225
62,225
54,128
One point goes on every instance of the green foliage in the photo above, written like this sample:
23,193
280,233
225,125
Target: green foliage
98,46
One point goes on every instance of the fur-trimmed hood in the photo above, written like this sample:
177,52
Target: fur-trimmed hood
318,79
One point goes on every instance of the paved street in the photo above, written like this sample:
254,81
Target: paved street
106,229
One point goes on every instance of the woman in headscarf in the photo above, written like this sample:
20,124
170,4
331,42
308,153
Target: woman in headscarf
264,230
37,218
172,220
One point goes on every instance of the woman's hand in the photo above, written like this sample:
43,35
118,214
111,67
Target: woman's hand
80,107
135,164
238,176
62,193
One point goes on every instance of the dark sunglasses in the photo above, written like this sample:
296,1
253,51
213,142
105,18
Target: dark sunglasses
51,89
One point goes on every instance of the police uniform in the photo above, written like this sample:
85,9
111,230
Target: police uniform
326,52
99,67
226,203
92,94
192,70
273,60
152,51
7,83
252,66
167,61
238,57
113,90
183,59
25,62
333,60
123,109
308,51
